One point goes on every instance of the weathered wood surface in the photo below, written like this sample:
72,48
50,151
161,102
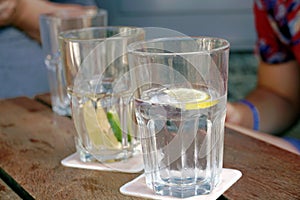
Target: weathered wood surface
6,193
44,98
269,172
33,141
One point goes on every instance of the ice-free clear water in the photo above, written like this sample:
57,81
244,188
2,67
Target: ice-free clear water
183,148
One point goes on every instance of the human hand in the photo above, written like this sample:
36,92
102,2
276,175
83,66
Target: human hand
7,11
239,114
27,13
232,114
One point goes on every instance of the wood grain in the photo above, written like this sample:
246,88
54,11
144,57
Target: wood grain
268,171
44,98
33,141
6,193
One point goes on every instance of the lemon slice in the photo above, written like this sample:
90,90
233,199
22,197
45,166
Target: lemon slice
98,127
191,99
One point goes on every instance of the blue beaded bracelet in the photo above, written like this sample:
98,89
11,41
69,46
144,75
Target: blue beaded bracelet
255,113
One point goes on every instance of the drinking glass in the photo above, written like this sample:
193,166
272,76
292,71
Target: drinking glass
51,24
180,100
96,68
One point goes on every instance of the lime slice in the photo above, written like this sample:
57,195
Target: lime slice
98,127
114,121
190,99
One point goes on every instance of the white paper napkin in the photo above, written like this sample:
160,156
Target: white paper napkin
138,187
131,165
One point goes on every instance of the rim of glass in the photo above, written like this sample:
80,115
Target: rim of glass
133,47
137,30
65,14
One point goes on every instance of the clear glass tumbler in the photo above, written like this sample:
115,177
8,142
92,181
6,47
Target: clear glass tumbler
98,81
180,101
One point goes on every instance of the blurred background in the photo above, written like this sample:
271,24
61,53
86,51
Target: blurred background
230,19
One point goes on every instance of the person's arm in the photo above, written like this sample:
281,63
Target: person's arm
24,14
276,98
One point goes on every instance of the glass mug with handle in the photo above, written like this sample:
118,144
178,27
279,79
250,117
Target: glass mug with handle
51,24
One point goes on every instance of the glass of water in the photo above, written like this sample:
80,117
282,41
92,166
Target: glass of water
180,101
98,82
51,24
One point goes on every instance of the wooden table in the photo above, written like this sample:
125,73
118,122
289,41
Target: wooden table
33,141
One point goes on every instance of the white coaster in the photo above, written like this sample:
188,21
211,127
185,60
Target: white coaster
131,165
137,187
